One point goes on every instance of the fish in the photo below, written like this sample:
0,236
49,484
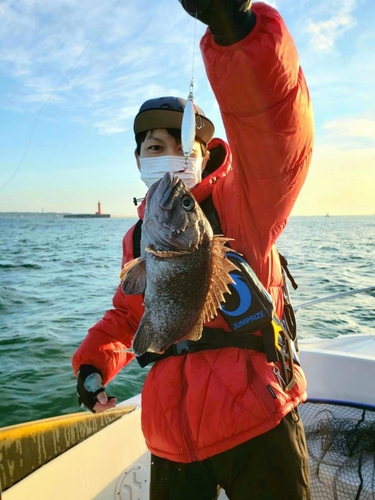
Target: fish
182,270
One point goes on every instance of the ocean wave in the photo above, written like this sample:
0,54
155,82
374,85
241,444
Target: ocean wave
20,266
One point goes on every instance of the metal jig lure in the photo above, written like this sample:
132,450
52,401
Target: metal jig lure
189,125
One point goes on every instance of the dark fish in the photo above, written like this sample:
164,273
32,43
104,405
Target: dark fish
182,270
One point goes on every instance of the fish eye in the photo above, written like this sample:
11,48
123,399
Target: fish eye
187,202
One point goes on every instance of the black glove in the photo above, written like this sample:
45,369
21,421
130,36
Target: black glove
89,385
229,20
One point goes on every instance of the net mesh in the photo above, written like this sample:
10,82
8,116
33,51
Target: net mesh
341,444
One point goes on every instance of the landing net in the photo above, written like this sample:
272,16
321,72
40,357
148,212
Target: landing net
341,443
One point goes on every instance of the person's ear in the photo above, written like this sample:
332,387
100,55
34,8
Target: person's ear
205,159
137,160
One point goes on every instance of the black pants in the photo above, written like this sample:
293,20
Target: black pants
273,466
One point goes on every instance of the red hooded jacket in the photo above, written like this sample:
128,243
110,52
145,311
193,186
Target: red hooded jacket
197,405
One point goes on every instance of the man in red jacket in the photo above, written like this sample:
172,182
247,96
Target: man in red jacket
223,416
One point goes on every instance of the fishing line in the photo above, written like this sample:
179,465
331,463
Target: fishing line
189,125
198,120
193,56
52,94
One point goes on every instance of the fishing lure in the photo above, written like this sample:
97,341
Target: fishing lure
189,124
188,127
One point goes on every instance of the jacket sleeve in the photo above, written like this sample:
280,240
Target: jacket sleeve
266,110
106,341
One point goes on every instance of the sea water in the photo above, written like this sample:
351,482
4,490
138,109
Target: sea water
58,277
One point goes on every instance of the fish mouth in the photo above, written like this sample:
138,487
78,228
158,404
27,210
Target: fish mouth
165,254
171,238
174,230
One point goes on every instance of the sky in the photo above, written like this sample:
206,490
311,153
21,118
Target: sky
73,74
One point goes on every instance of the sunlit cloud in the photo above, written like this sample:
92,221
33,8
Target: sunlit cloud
338,18
352,127
338,182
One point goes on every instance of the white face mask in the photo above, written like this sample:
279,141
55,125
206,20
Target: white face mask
153,169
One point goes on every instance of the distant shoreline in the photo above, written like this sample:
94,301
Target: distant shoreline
62,214
123,216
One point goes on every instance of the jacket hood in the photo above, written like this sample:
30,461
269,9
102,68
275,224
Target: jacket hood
218,166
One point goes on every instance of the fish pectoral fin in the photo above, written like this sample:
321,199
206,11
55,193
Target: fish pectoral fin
133,276
129,265
220,277
143,337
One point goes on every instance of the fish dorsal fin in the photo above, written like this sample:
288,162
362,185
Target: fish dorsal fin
133,276
220,277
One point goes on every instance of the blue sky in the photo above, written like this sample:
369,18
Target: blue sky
73,75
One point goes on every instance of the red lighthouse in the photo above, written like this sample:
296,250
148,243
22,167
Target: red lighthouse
97,214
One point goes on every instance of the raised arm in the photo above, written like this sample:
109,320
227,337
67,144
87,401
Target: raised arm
265,106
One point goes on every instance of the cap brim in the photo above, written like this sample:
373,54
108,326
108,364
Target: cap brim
151,119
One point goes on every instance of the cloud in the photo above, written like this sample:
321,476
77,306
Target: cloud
115,124
272,3
97,58
342,171
339,17
338,182
349,127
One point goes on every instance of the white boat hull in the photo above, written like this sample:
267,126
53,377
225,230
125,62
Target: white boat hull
340,370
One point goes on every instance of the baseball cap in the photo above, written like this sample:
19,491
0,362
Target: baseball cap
166,112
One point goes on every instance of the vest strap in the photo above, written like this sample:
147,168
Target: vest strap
212,338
